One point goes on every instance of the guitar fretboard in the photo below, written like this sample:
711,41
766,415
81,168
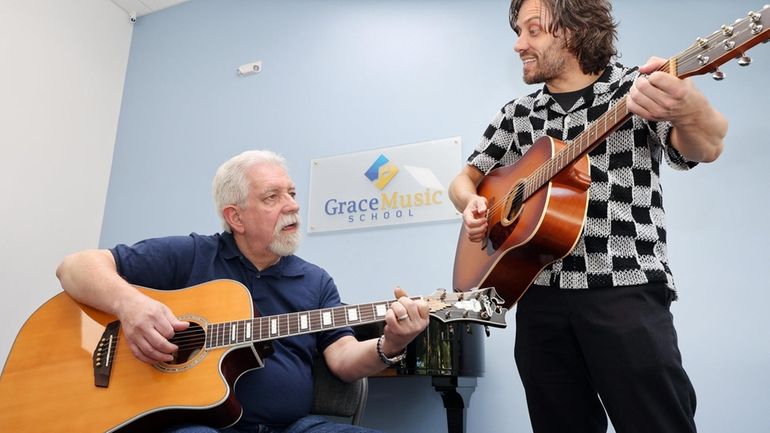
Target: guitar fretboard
290,324
586,141
583,143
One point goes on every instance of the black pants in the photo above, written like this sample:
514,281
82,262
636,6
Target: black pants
581,352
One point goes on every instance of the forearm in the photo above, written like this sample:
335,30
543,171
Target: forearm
463,187
353,359
91,277
698,129
700,138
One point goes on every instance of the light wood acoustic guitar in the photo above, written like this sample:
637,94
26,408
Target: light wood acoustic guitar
70,369
537,206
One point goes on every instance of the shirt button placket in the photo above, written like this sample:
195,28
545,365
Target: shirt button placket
565,129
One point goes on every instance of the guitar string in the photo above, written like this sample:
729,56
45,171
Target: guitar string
546,170
192,338
197,339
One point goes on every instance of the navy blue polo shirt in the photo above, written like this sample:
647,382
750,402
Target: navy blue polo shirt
292,284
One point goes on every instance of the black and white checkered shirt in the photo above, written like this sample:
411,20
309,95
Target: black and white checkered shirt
624,238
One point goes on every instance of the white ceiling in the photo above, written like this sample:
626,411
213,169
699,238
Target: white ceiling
144,7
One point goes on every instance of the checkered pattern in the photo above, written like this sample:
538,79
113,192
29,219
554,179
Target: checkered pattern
624,238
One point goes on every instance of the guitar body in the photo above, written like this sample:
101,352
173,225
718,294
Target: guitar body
522,242
48,380
71,370
531,228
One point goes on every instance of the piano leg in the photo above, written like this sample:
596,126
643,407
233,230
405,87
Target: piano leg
456,393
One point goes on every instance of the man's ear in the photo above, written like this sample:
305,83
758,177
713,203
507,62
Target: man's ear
233,218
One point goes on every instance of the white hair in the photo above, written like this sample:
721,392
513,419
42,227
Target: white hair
231,186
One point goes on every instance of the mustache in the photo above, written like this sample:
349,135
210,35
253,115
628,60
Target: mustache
287,220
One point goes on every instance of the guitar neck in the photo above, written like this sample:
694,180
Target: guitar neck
286,325
605,125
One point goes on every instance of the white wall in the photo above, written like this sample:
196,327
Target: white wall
61,84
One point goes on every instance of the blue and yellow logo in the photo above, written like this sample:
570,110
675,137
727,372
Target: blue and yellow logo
381,172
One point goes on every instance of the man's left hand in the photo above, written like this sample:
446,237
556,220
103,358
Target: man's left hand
405,319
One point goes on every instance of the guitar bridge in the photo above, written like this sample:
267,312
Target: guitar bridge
104,355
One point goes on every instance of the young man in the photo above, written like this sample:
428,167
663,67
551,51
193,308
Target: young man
255,199
594,331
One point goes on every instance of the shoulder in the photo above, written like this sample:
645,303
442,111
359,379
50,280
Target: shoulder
295,265
169,246
526,102
622,74
158,243
615,82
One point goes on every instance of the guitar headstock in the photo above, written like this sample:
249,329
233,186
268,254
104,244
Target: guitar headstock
482,306
730,42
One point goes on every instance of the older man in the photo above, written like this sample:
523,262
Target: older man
255,198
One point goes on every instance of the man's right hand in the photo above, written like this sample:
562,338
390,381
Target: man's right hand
148,325
475,218
91,277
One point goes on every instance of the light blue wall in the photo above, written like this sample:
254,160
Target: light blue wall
349,75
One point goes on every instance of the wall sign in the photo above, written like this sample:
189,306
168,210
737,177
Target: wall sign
383,187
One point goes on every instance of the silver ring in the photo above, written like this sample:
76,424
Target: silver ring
404,317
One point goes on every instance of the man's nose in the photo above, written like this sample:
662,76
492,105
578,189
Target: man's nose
291,204
520,45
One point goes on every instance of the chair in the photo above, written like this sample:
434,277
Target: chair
336,398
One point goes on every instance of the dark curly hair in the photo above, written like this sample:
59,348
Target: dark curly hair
592,29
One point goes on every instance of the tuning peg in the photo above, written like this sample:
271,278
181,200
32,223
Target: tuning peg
718,75
744,60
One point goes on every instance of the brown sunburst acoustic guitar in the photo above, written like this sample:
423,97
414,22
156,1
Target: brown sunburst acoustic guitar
537,206
71,371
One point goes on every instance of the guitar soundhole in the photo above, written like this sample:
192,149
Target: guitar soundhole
514,202
190,342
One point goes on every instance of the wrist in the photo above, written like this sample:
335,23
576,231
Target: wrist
389,360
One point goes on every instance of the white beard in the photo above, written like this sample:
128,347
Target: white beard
285,244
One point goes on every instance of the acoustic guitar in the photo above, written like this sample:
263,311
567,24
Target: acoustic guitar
537,206
71,371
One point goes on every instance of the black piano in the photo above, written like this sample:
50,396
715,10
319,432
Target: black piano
451,353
